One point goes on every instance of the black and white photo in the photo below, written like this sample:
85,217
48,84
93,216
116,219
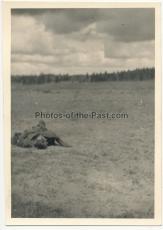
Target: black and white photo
83,113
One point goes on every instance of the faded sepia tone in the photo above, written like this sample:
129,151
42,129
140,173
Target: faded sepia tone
86,61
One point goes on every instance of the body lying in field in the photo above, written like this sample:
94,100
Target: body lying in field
39,137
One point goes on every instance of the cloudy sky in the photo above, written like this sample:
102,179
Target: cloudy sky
78,41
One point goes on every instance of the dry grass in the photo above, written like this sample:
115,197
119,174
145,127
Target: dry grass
109,171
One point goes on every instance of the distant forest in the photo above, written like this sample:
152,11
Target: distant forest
130,75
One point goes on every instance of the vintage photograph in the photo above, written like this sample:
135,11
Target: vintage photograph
83,112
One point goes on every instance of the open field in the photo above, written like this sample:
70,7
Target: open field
109,171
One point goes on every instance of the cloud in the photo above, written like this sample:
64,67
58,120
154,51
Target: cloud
27,12
61,21
29,37
127,25
69,20
145,49
77,41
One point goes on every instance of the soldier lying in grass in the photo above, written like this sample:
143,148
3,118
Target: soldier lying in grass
39,137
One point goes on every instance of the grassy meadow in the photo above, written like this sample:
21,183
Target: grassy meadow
108,172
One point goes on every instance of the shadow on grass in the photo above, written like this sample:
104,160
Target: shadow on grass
31,209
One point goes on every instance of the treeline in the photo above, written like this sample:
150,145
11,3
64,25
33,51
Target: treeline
130,75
